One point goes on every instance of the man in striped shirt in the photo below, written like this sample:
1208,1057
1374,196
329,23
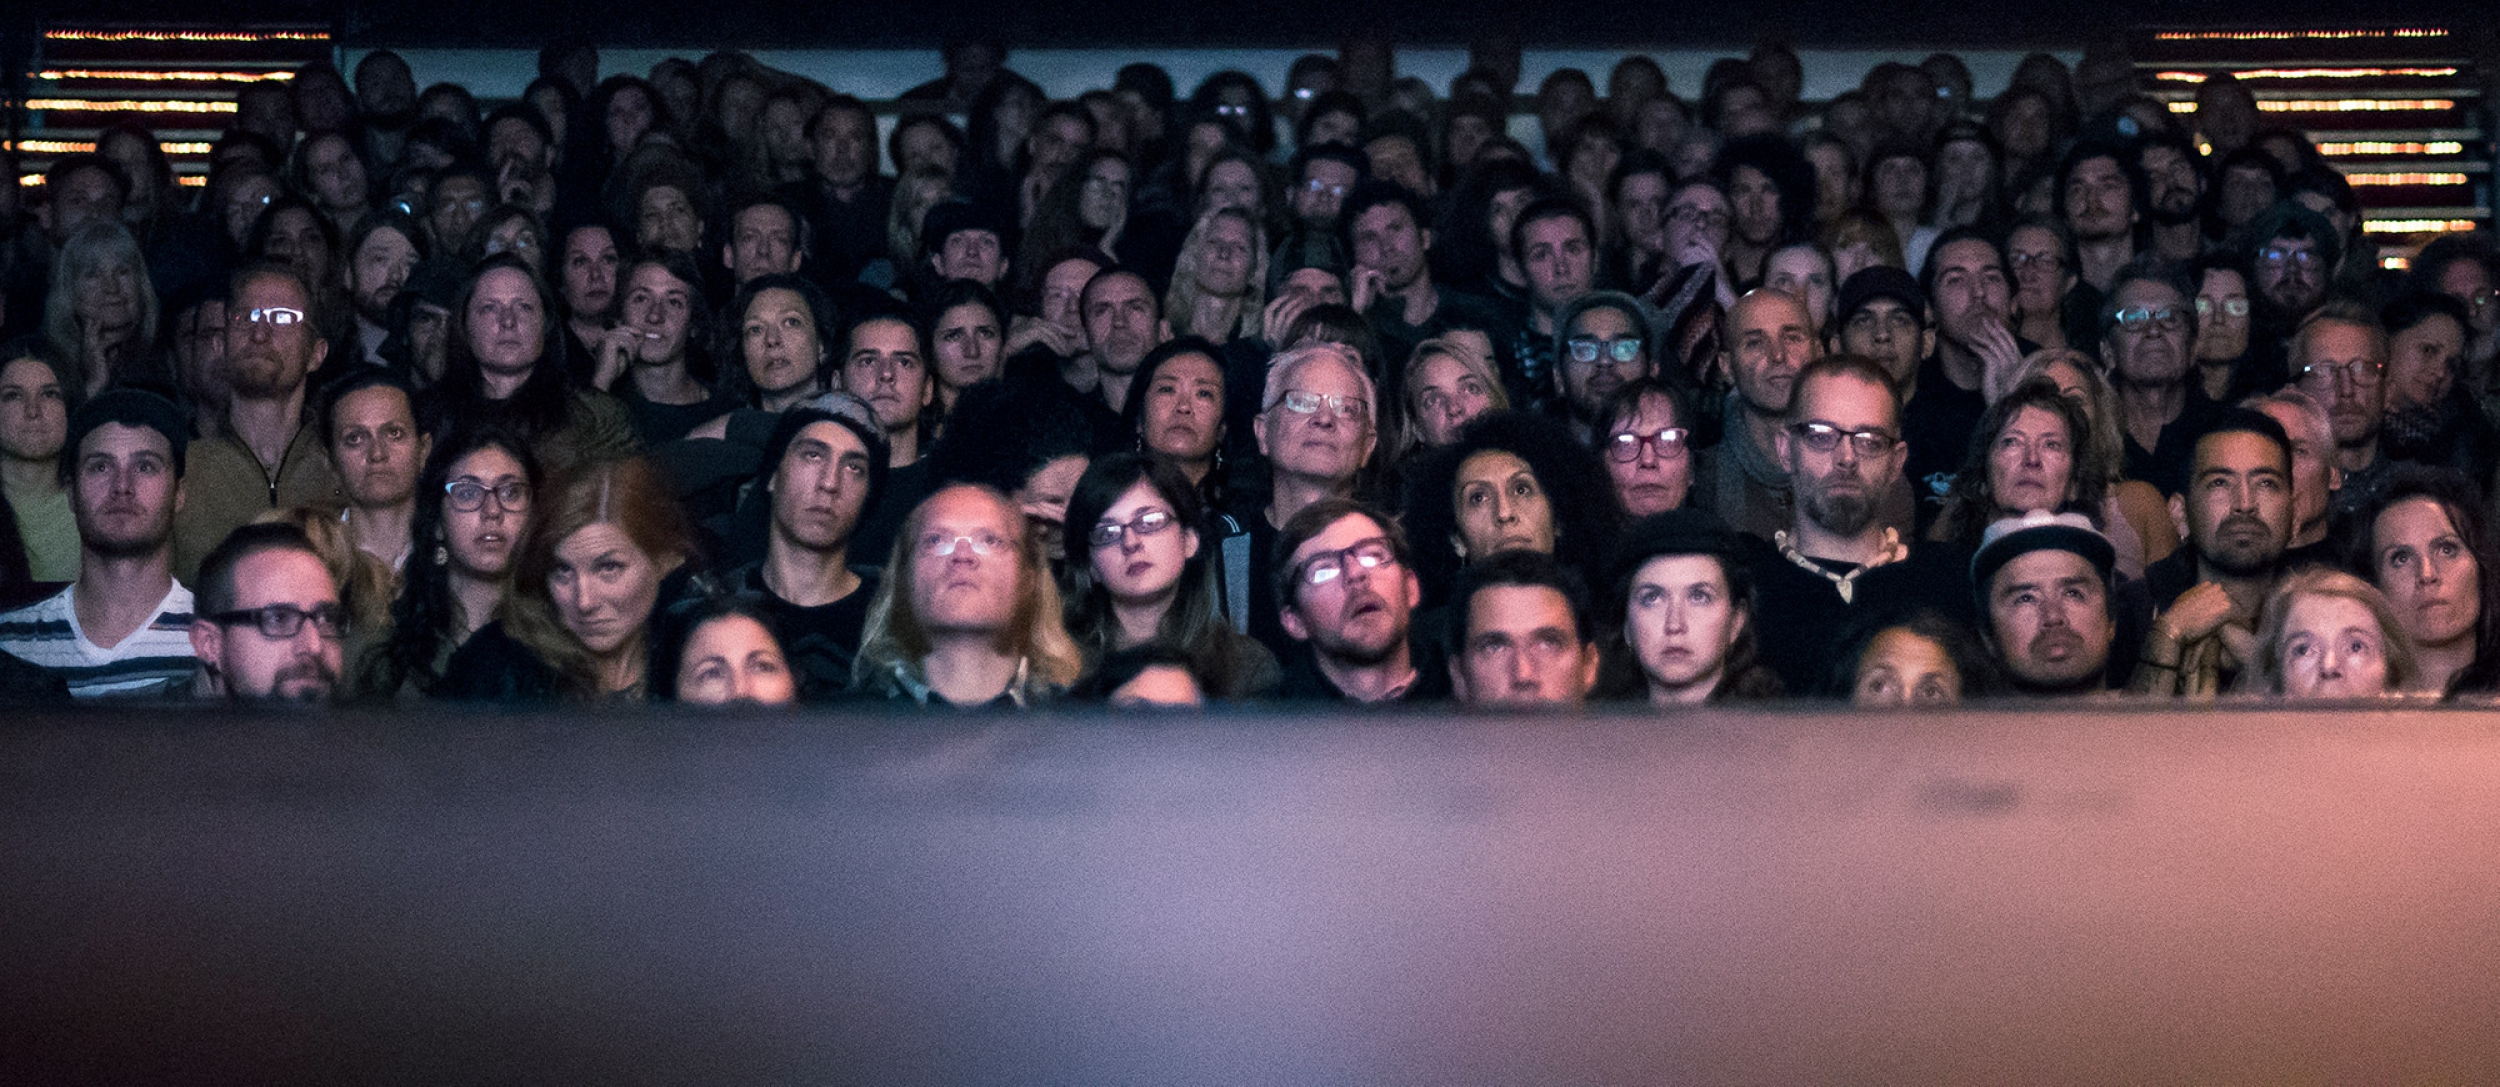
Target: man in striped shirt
123,628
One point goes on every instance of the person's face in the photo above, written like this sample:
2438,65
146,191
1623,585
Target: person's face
2332,648
2429,574
1144,564
1334,126
733,659
924,145
1448,395
2423,362
1361,614
1558,259
1321,192
629,117
2314,475
1839,490
2100,203
507,323
1159,686
1597,332
846,147
967,346
966,592
1641,206
590,272
34,416
779,341
1885,330
2338,364
1901,668
265,359
108,293
2041,277
1056,142
1755,203
1900,186
784,130
1468,133
90,196
2155,353
604,586
1523,648
660,309
376,444
2468,282
2175,186
1120,322
1043,499
763,240
1184,410
1225,258
513,146
1802,273
385,88
1972,294
883,367
123,491
1659,473
1319,444
458,203
1388,240
1501,506
665,221
256,667
377,270
1103,197
1233,184
479,542
1063,287
1394,158
549,103
972,254
2048,612
2221,315
2246,190
337,175
295,239
2031,463
2291,273
1681,620
2239,502
819,488
1774,339
1502,212
1314,286
516,235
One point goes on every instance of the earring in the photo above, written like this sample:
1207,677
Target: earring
442,555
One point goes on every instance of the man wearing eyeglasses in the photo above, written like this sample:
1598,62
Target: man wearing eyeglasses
1605,344
2295,258
1316,431
268,455
269,627
2148,336
1837,561
1322,176
2339,357
1346,594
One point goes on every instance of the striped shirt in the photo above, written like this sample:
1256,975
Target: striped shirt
47,636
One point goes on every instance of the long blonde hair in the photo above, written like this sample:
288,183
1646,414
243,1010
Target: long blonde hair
893,634
1180,301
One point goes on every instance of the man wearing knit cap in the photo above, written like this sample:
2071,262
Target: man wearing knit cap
1883,316
964,240
2043,581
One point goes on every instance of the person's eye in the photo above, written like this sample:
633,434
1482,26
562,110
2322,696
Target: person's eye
712,673
1647,597
2450,549
768,666
1702,594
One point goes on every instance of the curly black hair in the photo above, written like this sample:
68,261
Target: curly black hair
1587,517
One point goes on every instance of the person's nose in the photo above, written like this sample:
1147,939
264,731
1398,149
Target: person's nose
1505,508
1845,454
1648,455
2031,455
1674,617
2053,614
2243,498
579,594
2330,661
1522,672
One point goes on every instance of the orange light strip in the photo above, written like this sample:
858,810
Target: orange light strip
2418,226
186,36
2293,35
2312,73
94,105
2357,105
81,147
2405,179
138,76
2378,147
2395,264
193,180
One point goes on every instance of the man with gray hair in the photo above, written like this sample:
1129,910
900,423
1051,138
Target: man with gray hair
2315,477
2339,357
1316,426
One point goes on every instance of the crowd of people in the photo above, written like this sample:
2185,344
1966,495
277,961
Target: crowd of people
691,387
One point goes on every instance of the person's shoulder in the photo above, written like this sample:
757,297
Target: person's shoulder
49,609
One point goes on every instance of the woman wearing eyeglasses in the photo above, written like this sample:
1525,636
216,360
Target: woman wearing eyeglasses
606,546
967,614
1140,572
472,502
1648,446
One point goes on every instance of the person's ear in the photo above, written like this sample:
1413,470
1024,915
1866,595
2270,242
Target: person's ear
1291,618
1589,660
1414,591
2178,515
1258,428
1458,680
1189,544
208,640
727,254
1784,449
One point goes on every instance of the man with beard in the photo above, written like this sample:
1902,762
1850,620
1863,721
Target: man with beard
1770,339
2236,516
2339,357
2098,194
1605,344
2148,327
2294,251
1973,297
382,254
122,628
369,424
268,455
270,627
1346,592
1123,321
1837,562
826,463
1393,285
2044,581
2174,179
386,103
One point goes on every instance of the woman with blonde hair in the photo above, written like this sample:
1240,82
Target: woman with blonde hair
2325,634
915,193
967,614
1448,384
1219,284
102,309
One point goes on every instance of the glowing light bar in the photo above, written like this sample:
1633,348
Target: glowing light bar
81,147
2312,73
137,76
124,105
2406,179
2418,226
2357,105
2395,264
2293,35
2381,147
187,35
193,180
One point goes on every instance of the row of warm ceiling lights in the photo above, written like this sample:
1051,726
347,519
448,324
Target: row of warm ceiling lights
141,75
2340,105
72,35
2295,35
2312,73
